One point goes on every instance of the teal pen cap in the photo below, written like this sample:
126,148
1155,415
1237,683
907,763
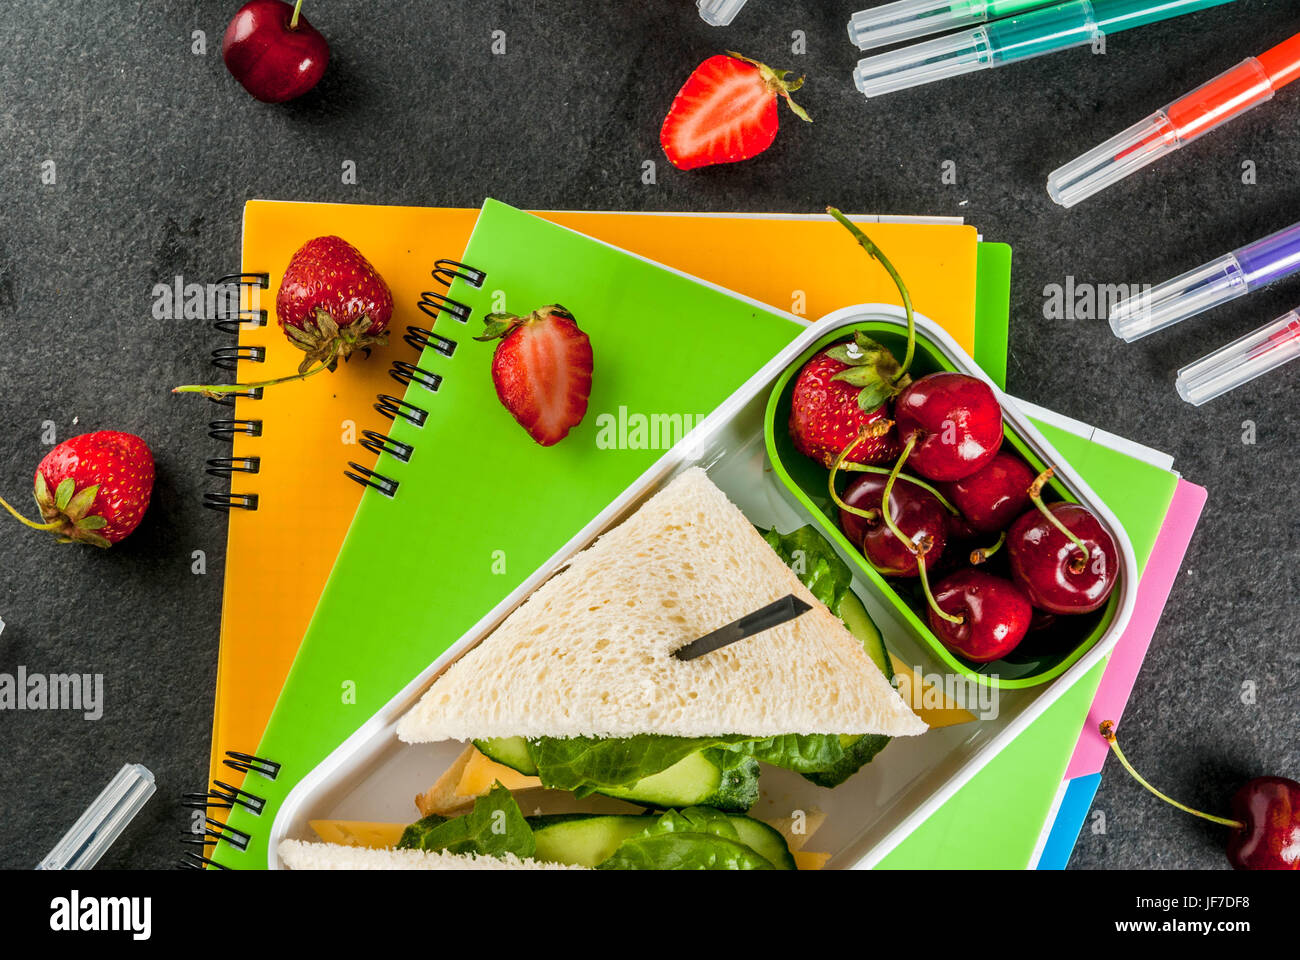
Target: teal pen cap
1072,24
905,20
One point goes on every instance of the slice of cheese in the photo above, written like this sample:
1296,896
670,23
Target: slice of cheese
807,825
359,833
807,860
441,797
481,772
917,692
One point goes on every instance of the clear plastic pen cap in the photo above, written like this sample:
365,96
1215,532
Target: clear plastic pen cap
1099,168
904,20
1194,292
926,62
719,13
1240,362
103,821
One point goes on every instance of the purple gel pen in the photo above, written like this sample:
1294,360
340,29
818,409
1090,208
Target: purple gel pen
1233,275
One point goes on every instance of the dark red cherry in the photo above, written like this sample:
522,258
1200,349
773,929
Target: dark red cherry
994,495
956,421
1051,568
273,51
1265,816
994,615
916,512
1269,808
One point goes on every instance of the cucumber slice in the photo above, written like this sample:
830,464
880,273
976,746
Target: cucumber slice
590,839
511,751
709,778
860,624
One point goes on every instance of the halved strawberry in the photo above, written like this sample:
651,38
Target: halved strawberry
541,370
726,111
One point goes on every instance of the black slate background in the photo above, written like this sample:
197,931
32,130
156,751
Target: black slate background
157,148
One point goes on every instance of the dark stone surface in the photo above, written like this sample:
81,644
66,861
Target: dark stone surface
157,148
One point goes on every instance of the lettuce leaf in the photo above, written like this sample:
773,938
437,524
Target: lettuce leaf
495,826
814,561
798,752
696,838
585,764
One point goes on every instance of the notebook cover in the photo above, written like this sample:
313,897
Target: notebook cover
508,502
279,556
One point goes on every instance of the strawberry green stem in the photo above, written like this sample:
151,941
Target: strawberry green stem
30,523
1036,495
216,389
880,428
871,468
876,253
293,21
1108,734
983,553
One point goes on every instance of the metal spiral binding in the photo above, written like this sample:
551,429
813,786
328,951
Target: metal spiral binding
419,337
215,831
229,466
434,303
223,796
230,501
369,478
228,358
378,443
226,429
391,407
242,317
445,271
247,763
408,373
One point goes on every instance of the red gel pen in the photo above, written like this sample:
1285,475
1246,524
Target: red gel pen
1250,83
1253,355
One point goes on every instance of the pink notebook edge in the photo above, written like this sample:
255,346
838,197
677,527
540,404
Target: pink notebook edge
1163,567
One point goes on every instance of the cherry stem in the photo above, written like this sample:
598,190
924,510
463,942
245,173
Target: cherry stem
876,253
293,21
220,388
54,525
889,489
1108,734
877,429
869,468
1036,495
983,553
929,597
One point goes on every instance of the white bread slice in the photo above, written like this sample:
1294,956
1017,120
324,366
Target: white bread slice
589,653
302,855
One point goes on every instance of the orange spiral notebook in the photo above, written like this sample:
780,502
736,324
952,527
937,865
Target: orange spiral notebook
290,505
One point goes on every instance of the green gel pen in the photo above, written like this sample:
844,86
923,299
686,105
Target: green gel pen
1072,24
906,20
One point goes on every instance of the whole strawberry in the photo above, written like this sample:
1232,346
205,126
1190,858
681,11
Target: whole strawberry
93,488
331,304
541,370
832,403
726,111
